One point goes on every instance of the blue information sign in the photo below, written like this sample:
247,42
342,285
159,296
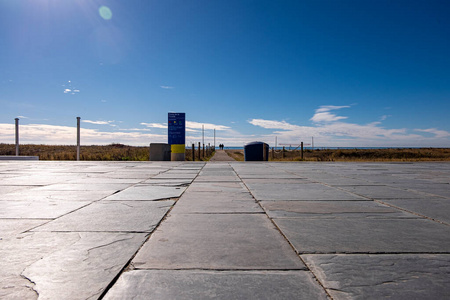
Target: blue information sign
177,128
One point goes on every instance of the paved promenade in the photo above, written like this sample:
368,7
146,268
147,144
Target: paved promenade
224,230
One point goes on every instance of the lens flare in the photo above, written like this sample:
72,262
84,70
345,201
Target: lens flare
105,12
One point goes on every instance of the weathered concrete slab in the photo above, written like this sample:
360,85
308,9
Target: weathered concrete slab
239,195
80,266
37,195
224,187
221,178
303,191
168,284
418,276
433,208
167,182
84,187
122,216
13,227
215,241
382,192
358,235
42,209
291,209
147,193
212,205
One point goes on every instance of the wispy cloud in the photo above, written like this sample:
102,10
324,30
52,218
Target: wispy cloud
207,126
110,123
323,114
155,125
166,87
437,133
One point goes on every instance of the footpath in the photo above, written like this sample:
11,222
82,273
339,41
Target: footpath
221,155
224,230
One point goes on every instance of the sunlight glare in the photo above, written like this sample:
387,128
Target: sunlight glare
105,12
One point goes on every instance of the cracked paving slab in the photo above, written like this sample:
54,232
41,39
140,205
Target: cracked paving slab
68,272
43,209
405,276
168,284
124,216
63,265
148,193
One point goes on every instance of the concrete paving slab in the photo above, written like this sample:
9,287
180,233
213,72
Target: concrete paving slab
84,187
68,272
363,235
224,187
382,192
214,241
433,208
147,193
43,209
38,195
291,209
221,178
173,175
13,227
167,182
218,196
303,191
117,216
405,276
168,284
209,205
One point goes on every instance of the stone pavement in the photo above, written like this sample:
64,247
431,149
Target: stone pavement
224,230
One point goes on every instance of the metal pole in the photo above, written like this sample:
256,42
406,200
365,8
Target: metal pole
78,138
203,134
193,152
17,136
302,149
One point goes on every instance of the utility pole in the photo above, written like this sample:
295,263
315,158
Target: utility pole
78,138
17,136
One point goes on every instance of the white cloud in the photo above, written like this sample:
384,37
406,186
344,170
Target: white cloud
323,114
330,130
437,133
166,87
110,123
270,124
65,135
155,125
207,126
66,91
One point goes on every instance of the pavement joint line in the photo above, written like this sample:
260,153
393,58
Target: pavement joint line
308,269
224,270
411,212
129,265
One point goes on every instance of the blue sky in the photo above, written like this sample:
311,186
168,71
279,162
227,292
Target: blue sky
350,73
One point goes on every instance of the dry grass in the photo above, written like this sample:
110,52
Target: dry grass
394,154
113,152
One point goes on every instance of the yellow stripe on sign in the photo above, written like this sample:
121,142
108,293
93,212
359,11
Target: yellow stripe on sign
177,148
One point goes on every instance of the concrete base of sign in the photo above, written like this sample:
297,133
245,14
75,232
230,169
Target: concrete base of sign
159,152
177,156
11,157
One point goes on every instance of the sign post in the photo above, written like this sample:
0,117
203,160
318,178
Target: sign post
177,135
